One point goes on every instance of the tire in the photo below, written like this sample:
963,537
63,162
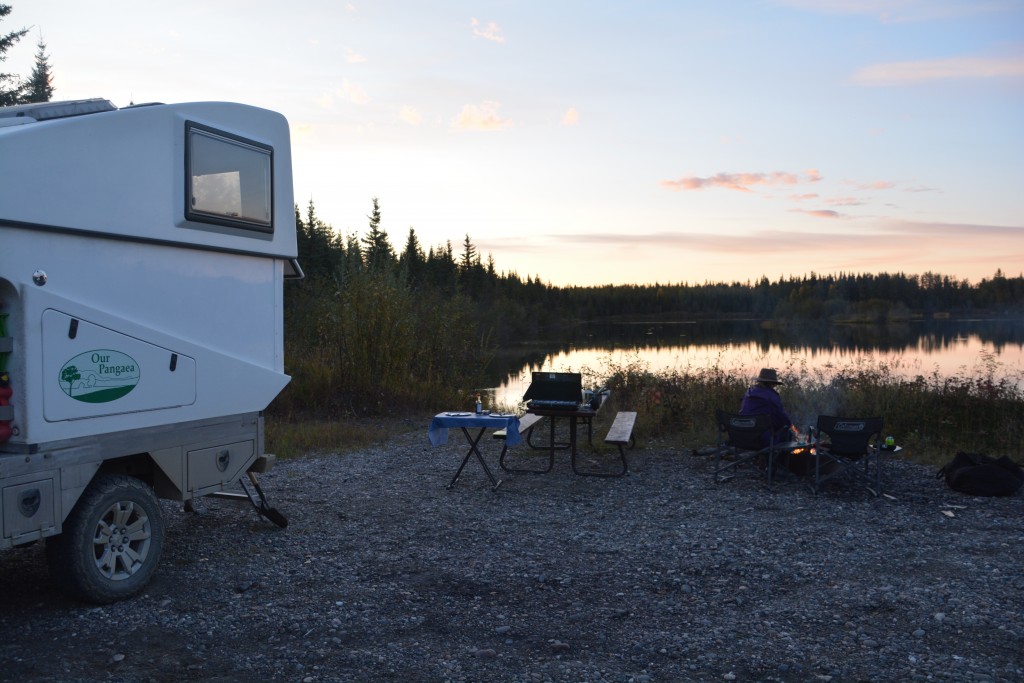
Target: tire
111,542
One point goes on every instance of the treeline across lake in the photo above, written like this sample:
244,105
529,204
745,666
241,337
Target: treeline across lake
867,298
508,307
374,328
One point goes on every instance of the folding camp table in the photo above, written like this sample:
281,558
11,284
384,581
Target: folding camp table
442,422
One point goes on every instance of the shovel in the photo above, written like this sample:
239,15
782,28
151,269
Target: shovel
262,507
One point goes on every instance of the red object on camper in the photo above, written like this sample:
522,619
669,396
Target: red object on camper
5,400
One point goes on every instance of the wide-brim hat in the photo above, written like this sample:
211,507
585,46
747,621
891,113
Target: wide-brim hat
768,376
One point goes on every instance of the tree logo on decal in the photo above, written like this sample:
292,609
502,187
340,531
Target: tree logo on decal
70,374
99,376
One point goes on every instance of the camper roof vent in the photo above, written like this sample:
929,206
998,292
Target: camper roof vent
43,111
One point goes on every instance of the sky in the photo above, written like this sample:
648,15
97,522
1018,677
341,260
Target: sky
598,142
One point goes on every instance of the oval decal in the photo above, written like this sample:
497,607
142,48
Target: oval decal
99,376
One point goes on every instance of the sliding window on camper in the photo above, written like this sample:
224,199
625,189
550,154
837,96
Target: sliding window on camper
229,180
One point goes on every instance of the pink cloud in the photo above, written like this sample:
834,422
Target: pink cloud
742,182
874,185
844,201
820,213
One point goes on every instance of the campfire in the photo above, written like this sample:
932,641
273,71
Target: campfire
800,459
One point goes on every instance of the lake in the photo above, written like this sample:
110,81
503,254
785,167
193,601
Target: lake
960,347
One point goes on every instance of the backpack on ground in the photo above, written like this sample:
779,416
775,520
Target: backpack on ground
978,474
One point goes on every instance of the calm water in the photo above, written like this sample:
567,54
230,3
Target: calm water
947,347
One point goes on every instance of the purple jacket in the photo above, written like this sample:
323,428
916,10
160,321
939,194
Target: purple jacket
759,400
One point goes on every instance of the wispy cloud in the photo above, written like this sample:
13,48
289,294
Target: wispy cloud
872,185
571,117
819,213
348,91
491,31
354,93
353,57
483,117
847,245
844,201
897,11
923,71
410,115
743,182
759,242
965,230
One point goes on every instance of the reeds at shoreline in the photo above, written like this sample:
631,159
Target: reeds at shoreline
930,416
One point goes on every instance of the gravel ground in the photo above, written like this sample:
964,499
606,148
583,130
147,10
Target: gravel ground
384,574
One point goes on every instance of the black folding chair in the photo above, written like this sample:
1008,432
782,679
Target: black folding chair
741,438
848,447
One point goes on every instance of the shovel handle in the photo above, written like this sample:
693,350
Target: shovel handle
270,513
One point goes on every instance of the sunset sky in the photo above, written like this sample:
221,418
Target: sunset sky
607,142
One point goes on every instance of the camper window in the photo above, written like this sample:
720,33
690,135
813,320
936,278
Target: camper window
228,179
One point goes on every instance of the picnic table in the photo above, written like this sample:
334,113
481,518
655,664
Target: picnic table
620,433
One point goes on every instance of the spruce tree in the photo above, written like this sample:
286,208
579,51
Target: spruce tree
378,250
412,260
12,87
40,84
470,257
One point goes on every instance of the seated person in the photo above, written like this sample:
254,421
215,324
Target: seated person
763,399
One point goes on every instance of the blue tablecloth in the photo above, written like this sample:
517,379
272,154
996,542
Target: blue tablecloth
442,422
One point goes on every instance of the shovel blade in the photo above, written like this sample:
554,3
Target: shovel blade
274,516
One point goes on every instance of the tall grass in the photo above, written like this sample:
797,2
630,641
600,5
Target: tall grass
930,415
372,347
298,437
376,347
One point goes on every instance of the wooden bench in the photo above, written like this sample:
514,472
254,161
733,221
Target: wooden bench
621,431
526,424
619,434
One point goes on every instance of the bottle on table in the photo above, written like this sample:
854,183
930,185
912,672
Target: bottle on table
479,405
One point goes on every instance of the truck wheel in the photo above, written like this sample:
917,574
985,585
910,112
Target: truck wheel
111,541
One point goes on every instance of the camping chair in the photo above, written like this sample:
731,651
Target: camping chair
741,436
848,446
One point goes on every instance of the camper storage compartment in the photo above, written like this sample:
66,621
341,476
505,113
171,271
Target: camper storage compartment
31,506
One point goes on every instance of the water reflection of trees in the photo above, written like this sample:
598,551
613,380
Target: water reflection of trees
932,335
927,336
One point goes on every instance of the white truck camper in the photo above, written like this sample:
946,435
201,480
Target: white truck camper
143,252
